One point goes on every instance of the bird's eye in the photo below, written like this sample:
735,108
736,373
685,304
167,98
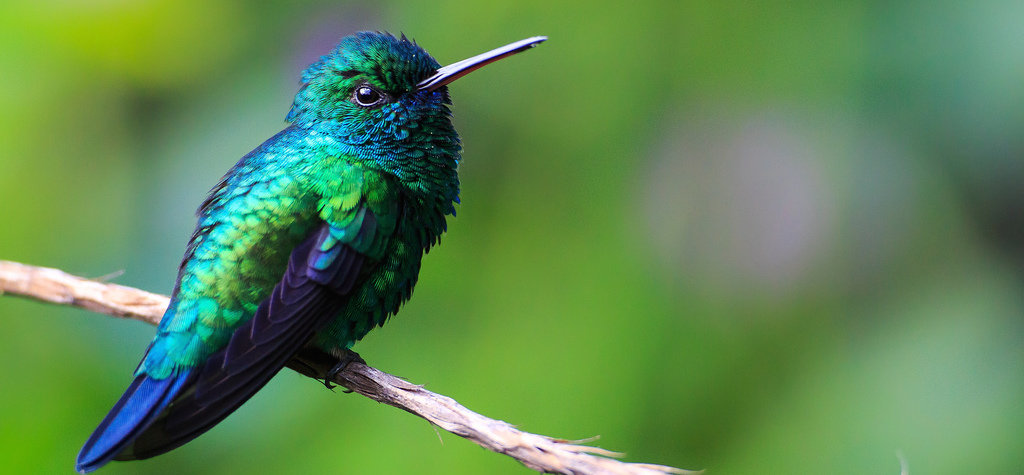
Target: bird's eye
367,96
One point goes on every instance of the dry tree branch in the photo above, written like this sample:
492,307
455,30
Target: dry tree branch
538,452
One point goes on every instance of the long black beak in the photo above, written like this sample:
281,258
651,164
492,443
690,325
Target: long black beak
454,71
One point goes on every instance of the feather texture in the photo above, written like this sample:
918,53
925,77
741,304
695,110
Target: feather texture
157,415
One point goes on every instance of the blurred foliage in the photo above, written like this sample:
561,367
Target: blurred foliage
747,237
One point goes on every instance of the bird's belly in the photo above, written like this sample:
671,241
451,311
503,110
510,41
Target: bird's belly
377,297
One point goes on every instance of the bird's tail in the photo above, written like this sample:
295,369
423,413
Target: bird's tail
140,405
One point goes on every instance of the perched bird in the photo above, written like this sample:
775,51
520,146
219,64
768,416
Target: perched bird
310,241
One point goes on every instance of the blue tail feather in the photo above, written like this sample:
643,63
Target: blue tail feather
140,405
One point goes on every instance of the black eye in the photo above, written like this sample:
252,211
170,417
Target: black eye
367,96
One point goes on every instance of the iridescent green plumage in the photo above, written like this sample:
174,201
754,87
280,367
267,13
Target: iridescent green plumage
311,240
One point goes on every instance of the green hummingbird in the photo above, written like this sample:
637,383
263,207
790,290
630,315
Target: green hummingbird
310,241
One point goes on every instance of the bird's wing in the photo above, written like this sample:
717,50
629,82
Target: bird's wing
157,415
311,292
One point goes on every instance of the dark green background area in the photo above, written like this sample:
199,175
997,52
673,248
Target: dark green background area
739,236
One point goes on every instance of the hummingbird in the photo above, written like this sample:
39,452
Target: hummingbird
309,242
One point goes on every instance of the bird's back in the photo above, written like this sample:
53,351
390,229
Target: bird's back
261,210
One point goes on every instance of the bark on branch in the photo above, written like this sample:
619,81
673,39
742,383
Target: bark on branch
539,452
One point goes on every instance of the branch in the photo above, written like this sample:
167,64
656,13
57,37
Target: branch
538,452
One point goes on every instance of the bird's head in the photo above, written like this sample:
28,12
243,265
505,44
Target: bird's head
387,99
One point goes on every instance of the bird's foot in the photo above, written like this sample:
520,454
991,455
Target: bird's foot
346,358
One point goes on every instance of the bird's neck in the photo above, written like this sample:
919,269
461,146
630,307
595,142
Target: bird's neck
424,165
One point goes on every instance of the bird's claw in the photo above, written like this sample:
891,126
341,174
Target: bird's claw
348,358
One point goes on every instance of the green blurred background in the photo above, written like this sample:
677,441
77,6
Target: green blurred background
737,236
